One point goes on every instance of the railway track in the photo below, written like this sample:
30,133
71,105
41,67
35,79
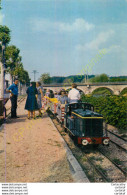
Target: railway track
107,156
119,141
117,135
104,177
101,173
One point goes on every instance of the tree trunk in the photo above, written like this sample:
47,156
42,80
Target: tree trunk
2,80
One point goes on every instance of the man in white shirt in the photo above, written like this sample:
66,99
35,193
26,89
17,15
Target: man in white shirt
74,95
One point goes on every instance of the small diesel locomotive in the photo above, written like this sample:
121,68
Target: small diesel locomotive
86,125
80,120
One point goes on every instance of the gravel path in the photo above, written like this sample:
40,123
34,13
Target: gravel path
32,151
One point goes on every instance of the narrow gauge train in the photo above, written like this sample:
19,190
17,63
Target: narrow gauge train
81,121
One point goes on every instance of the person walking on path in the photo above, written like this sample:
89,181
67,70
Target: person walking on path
74,95
31,102
13,89
39,97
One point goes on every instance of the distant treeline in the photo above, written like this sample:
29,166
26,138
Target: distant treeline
73,78
46,79
89,78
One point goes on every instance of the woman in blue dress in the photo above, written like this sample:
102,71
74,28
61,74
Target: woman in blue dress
31,102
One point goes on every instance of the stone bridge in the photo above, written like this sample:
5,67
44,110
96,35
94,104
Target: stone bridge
88,88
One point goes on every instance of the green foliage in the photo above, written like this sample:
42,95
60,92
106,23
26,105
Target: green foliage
113,108
117,79
45,78
117,161
24,76
12,58
14,64
91,78
100,78
68,81
101,91
124,91
4,34
57,79
74,78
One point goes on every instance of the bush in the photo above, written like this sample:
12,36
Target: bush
113,108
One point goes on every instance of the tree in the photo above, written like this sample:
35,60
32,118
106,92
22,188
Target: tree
45,78
24,76
117,79
68,81
14,64
4,35
13,60
4,40
99,78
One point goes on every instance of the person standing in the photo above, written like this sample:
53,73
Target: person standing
13,89
31,101
63,99
74,95
39,97
47,93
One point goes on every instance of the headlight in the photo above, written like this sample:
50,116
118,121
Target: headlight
106,141
84,142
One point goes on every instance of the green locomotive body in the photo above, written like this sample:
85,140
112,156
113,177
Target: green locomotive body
85,124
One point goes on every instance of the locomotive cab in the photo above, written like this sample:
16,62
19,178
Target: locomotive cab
85,124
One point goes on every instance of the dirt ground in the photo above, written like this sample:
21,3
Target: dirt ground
32,151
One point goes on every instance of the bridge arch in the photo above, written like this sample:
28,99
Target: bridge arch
123,91
102,87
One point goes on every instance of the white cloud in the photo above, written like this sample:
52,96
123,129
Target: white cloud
116,49
96,43
1,18
43,25
78,25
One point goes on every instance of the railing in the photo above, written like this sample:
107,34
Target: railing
84,84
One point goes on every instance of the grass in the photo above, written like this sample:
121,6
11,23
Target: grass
125,169
117,161
79,158
96,158
87,171
102,169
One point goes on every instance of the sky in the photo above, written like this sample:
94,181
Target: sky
61,37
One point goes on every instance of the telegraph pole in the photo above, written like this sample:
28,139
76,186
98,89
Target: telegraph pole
35,72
